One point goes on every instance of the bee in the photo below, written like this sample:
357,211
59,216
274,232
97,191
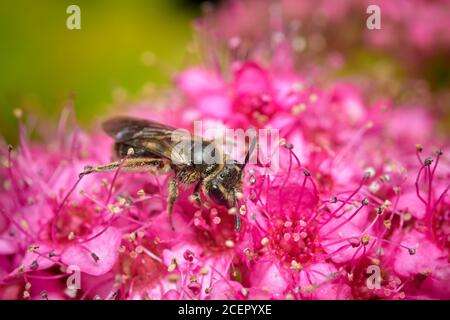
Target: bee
148,146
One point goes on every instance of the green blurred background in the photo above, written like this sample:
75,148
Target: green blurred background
121,47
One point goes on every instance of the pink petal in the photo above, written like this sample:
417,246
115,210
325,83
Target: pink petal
251,79
198,81
105,247
215,105
39,259
428,257
268,275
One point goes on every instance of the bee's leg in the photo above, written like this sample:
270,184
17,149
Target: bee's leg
196,195
173,195
132,164
101,168
237,218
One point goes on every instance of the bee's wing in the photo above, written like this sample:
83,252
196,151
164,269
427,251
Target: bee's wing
157,139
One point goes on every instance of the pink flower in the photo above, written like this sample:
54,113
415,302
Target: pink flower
252,96
351,202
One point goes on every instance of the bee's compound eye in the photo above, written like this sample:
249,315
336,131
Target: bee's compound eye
216,195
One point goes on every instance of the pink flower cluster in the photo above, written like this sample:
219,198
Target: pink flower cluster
420,24
358,208
406,59
353,194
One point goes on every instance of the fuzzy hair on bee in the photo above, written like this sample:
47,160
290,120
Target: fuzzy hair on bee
148,146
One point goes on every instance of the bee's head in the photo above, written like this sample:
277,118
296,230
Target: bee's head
222,187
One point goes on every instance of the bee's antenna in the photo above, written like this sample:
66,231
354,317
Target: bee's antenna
250,151
237,218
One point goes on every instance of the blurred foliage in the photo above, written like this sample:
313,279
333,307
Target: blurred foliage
42,62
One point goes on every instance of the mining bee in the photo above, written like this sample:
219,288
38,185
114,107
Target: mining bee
148,146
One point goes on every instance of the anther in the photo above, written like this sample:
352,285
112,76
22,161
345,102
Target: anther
44,295
95,257
33,248
365,202
264,241
412,251
407,216
313,98
296,266
426,272
34,265
172,265
229,243
139,249
374,187
369,172
188,255
298,109
194,287
306,173
428,161
365,239
354,242
140,234
173,277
